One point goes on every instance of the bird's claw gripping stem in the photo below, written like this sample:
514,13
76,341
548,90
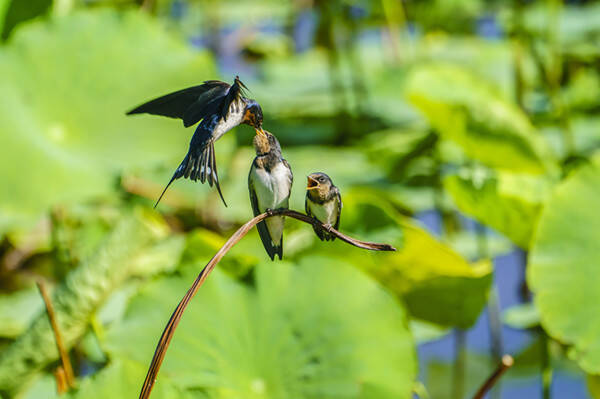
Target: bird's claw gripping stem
271,212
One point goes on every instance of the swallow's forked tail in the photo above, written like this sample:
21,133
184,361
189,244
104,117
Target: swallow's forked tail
198,166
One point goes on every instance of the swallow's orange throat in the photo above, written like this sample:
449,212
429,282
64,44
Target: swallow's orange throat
248,117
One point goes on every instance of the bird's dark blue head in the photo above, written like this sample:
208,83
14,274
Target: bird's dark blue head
253,115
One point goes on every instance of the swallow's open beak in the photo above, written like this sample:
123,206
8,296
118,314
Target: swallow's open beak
260,131
311,184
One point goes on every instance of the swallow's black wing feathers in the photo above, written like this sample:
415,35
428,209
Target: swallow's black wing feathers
287,165
235,93
263,231
317,230
207,104
338,198
177,104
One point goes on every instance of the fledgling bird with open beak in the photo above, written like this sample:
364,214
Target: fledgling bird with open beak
270,184
218,107
324,203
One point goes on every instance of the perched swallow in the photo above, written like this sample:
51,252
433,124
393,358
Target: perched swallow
270,184
324,203
220,107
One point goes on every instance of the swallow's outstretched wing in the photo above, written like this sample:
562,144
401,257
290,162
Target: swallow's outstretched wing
195,103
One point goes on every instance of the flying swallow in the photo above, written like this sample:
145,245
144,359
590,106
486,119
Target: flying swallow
218,107
324,203
270,184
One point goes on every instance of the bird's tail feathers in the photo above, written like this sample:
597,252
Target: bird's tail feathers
203,166
164,191
198,166
271,248
178,173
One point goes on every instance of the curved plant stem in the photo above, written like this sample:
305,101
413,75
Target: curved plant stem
506,363
67,369
167,335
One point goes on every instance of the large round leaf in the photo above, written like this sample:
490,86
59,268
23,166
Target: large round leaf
508,202
319,330
563,266
115,380
438,284
66,86
468,111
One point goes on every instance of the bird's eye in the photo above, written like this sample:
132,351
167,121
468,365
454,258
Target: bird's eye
322,179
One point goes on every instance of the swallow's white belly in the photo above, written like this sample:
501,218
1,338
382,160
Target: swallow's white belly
326,213
273,192
234,118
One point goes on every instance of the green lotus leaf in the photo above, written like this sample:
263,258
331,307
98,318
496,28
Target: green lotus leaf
67,83
14,12
440,376
563,262
118,380
575,25
17,310
321,329
468,244
508,202
395,150
437,284
465,109
162,257
84,290
424,332
521,316
4,4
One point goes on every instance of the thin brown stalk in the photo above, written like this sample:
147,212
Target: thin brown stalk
506,363
61,380
167,335
67,369
147,5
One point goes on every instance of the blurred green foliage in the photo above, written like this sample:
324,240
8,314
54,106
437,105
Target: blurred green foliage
508,202
461,107
563,259
263,342
86,61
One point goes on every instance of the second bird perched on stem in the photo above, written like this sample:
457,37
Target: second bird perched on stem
270,184
323,202
220,107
